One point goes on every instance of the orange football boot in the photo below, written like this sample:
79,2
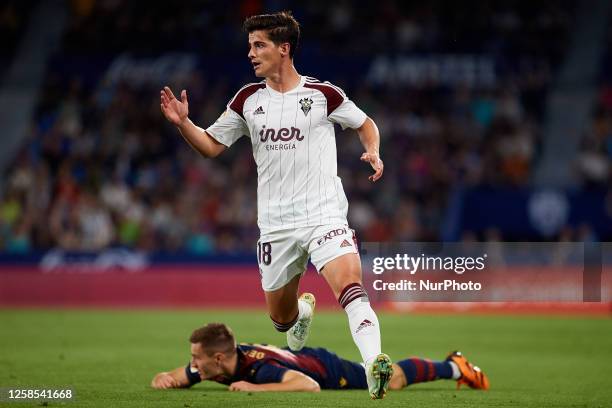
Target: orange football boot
470,374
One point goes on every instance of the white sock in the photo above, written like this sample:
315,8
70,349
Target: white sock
456,372
364,328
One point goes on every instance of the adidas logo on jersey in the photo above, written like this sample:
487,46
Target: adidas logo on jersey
259,111
345,243
363,325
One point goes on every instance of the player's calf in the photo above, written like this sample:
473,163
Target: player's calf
416,370
283,305
363,321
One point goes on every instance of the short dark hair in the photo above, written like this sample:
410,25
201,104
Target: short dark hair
281,28
214,337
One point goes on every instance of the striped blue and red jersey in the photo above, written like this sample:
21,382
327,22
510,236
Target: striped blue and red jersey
263,364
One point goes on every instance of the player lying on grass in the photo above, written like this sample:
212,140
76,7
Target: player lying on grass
255,367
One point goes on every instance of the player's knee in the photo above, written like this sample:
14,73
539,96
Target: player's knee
341,273
352,275
398,380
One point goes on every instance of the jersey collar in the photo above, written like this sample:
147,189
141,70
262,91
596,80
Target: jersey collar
274,92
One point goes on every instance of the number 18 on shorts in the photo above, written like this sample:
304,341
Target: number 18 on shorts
283,254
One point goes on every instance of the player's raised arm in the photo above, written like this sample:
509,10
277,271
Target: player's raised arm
176,112
176,378
370,139
292,381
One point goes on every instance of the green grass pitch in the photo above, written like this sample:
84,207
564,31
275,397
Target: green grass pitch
109,357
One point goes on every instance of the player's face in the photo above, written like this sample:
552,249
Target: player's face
207,366
264,54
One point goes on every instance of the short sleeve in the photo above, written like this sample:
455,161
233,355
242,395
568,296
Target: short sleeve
269,373
228,128
348,115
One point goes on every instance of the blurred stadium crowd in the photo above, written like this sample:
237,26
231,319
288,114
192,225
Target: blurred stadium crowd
596,151
101,167
13,19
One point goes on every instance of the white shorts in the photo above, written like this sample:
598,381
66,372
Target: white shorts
283,254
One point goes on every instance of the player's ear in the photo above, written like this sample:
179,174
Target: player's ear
284,48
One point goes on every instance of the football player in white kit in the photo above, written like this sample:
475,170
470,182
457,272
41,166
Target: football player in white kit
301,203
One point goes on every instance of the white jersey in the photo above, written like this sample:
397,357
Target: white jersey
294,147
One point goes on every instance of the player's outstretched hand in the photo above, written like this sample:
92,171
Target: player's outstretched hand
164,381
243,386
174,110
376,163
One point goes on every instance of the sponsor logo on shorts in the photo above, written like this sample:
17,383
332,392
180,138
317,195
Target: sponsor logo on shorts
331,235
345,243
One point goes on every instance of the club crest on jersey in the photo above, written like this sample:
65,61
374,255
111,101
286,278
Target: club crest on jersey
306,104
